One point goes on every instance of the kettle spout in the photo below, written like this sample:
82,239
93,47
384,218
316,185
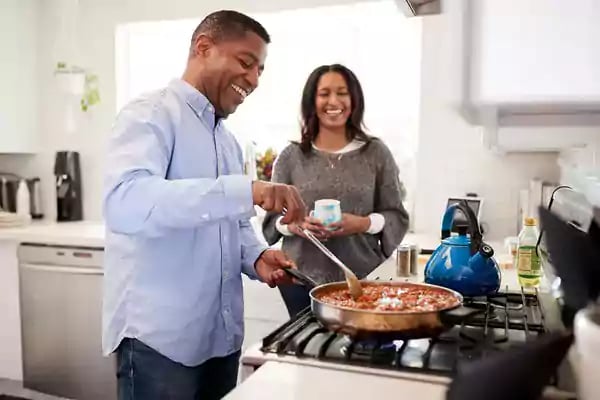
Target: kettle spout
486,272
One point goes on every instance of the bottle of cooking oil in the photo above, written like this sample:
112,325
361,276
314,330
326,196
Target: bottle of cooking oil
528,262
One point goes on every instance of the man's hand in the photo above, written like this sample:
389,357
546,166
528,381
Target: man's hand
350,225
268,267
279,198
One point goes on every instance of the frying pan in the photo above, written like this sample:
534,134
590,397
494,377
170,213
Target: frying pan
366,324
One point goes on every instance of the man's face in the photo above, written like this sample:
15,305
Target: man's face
232,68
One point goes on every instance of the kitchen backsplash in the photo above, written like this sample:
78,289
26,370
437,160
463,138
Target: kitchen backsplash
452,161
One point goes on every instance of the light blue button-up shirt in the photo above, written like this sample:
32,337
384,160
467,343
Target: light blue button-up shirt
177,211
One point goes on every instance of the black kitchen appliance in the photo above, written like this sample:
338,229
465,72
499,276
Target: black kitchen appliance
570,241
67,171
9,183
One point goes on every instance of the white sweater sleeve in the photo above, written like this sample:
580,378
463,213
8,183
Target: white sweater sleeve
283,229
377,223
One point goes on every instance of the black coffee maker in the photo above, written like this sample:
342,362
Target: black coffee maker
68,186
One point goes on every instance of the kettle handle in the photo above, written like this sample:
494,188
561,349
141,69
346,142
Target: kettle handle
448,220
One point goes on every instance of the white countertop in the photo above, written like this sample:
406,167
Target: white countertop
80,233
281,381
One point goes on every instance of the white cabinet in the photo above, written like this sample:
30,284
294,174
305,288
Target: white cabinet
536,52
18,76
528,70
11,365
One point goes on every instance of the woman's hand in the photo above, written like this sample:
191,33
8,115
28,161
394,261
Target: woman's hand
314,225
350,225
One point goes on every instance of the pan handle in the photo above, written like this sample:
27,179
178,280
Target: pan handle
458,315
300,276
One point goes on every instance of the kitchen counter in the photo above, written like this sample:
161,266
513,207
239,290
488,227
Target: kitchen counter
80,233
281,381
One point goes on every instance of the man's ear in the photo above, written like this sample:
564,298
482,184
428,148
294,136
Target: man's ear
202,45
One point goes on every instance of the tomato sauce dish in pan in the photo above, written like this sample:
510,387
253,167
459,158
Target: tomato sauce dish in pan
405,298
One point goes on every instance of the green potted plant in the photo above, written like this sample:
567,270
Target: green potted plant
77,81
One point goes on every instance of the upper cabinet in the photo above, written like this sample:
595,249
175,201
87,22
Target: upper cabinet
537,52
18,76
529,70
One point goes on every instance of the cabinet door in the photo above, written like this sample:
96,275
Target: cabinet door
536,51
18,76
10,317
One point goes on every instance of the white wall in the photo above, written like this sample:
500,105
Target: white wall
450,160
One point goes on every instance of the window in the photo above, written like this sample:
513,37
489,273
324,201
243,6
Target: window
373,39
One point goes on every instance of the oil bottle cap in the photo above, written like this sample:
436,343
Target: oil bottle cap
530,221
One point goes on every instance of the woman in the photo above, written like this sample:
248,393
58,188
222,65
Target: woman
336,159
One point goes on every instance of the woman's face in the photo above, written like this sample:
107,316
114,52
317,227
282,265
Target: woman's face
333,103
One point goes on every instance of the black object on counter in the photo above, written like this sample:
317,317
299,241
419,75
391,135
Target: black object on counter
575,256
520,373
35,198
67,171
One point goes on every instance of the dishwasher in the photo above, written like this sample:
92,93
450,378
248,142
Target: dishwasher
61,322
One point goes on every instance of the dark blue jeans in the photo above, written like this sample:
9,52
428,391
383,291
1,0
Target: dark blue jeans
145,374
295,297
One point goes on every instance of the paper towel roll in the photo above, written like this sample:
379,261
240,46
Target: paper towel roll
587,343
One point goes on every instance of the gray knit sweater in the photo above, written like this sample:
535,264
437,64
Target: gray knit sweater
365,181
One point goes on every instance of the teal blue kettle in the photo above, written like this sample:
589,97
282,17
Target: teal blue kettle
463,262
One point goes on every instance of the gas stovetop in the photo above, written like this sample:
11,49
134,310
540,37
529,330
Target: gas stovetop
504,320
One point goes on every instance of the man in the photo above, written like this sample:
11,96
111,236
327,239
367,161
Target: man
177,209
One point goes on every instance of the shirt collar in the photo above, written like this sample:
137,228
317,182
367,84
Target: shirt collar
192,96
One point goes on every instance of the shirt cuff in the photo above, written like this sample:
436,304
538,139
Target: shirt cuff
377,223
238,194
249,264
283,229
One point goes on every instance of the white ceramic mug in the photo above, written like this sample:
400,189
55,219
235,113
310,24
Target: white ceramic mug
328,211
587,344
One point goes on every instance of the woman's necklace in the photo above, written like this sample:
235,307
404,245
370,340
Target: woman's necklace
334,159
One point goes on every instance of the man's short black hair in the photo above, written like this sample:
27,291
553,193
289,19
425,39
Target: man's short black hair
228,24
